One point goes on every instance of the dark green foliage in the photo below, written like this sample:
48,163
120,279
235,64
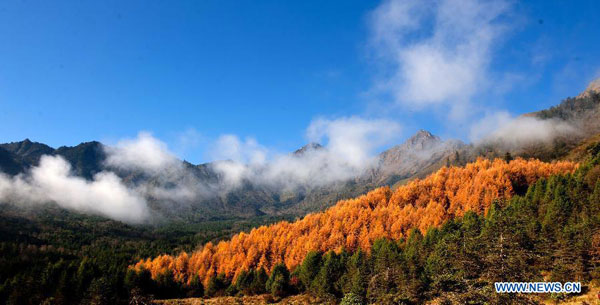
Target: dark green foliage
217,286
252,282
166,287
51,255
259,283
279,281
195,289
244,282
308,271
327,283
508,157
355,279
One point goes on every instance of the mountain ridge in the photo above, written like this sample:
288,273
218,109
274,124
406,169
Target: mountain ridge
403,161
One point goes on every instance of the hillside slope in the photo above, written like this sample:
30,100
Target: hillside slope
357,223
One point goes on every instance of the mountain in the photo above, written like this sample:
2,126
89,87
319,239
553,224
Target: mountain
9,164
27,152
421,154
86,158
308,148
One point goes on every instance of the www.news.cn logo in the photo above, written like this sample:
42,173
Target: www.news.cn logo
537,287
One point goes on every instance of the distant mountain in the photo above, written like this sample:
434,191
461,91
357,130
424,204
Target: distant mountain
418,156
27,152
9,164
421,154
307,148
86,158
581,112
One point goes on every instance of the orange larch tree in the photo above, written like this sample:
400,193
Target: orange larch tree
357,223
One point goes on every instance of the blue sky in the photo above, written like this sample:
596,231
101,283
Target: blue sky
192,71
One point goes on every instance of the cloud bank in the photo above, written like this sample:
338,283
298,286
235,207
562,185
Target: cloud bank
350,145
142,153
52,181
166,177
517,132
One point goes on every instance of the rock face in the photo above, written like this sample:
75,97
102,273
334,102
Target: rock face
307,148
420,154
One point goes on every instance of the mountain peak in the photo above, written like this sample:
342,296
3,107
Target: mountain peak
593,86
308,147
422,139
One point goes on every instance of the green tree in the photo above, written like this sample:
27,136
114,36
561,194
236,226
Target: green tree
259,282
309,269
217,285
279,281
357,275
195,289
327,281
244,281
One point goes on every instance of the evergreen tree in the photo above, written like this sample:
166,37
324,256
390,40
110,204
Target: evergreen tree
279,281
217,285
309,269
357,275
259,281
327,281
195,288
386,271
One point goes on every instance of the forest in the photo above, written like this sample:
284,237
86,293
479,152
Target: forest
447,237
52,256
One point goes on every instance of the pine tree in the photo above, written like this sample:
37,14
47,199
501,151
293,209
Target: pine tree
195,288
327,281
259,282
309,269
357,274
279,281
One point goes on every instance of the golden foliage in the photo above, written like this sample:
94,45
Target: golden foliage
356,223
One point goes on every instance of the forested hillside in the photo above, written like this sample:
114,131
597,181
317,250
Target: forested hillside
354,225
52,256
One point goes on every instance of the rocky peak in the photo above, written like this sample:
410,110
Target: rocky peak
308,147
423,139
28,151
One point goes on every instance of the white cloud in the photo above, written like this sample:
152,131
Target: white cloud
52,181
350,146
353,140
169,179
502,128
144,152
436,52
230,147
